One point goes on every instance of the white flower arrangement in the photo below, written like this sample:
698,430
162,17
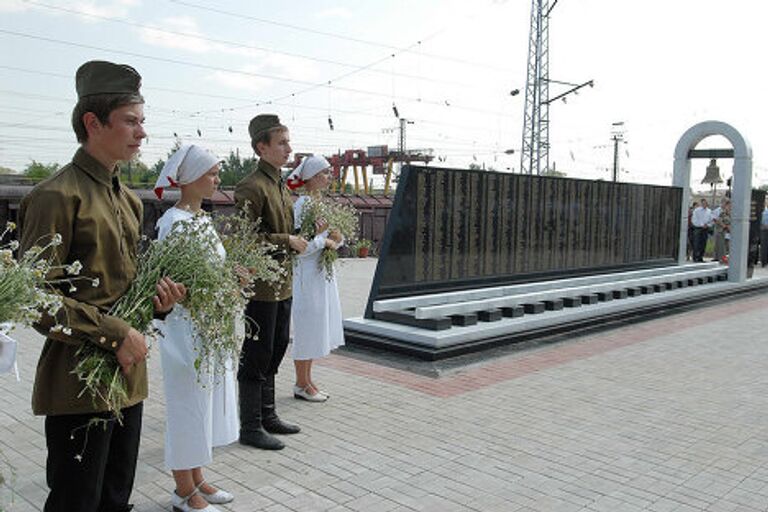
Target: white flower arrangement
214,299
338,217
26,291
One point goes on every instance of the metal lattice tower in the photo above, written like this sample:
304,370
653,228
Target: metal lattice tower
535,154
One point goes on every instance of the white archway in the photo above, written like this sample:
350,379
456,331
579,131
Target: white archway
741,193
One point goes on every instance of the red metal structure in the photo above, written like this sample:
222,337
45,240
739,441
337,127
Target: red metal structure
379,158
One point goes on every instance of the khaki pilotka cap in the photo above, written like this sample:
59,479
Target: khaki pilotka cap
102,77
262,123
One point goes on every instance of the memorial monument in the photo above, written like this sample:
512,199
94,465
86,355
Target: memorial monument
472,259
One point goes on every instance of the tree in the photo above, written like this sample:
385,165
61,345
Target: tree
135,173
39,171
233,169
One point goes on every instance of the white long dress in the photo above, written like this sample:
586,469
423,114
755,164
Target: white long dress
316,310
200,413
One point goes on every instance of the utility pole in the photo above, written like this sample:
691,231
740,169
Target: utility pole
536,116
534,157
617,132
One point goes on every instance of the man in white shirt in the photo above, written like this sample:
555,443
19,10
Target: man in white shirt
701,220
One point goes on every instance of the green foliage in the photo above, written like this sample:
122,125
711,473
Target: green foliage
362,243
234,168
39,171
135,173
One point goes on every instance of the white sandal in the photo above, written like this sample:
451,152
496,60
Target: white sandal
217,498
299,392
181,504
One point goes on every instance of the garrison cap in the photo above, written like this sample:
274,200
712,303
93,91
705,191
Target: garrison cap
102,77
262,123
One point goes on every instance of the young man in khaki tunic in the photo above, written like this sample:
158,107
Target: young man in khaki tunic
99,221
269,312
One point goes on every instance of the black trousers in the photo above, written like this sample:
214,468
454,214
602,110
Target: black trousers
261,357
700,236
91,469
764,246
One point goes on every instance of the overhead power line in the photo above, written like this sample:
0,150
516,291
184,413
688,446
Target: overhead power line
234,44
311,85
330,34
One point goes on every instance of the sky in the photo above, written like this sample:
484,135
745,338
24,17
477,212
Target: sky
659,66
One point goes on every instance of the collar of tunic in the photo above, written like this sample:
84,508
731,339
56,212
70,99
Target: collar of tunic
270,170
96,170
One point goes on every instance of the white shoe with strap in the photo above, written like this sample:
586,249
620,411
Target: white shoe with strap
181,504
303,394
217,498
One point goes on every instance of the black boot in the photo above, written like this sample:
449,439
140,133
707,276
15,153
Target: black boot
269,417
252,432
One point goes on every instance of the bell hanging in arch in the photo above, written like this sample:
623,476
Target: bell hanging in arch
713,174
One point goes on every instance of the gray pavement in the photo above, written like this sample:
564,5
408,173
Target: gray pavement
665,415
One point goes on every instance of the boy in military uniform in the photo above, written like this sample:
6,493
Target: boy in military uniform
269,312
99,222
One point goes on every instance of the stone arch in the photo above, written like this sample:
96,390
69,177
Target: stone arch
741,191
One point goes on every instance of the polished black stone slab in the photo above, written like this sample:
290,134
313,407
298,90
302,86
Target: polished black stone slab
464,319
433,324
592,298
554,304
534,308
491,315
457,229
605,296
572,302
513,311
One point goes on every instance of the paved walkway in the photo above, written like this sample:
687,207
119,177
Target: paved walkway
665,416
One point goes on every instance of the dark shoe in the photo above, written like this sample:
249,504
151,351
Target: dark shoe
260,439
252,431
269,418
275,425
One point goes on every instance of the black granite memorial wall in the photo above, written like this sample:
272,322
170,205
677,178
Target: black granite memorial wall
453,229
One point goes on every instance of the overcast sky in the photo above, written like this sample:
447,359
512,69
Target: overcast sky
659,66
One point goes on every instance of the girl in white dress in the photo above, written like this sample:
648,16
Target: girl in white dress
316,312
201,412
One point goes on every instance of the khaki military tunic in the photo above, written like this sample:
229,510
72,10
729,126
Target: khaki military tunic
99,222
269,201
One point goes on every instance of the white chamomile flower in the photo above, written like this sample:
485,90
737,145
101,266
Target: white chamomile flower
74,268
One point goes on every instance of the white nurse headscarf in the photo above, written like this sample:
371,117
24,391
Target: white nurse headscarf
303,172
186,165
